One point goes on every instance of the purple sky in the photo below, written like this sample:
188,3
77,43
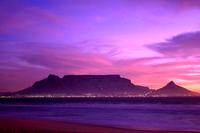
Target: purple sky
149,41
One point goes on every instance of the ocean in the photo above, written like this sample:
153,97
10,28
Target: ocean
137,113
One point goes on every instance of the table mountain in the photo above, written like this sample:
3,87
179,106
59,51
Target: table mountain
85,85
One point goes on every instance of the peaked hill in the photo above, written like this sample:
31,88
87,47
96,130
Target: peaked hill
171,89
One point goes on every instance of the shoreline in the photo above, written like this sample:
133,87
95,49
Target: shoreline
16,125
148,100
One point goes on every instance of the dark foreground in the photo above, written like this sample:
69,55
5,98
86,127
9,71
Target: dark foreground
10,125
119,115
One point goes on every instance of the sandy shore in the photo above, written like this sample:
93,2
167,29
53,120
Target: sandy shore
10,125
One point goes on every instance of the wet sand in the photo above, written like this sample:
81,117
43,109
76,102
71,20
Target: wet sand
11,125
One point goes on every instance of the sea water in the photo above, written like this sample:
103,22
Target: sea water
143,113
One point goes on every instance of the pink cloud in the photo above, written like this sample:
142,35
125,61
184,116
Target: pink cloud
27,59
183,5
184,45
62,59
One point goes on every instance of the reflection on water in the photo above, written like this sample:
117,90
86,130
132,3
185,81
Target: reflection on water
122,114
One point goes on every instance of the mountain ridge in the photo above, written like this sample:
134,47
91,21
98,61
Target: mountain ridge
99,86
75,85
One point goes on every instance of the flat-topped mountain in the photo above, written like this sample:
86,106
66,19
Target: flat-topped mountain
97,85
85,85
171,89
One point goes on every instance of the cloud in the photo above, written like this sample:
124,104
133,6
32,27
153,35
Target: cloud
183,50
47,55
181,5
24,63
30,19
183,45
36,60
185,4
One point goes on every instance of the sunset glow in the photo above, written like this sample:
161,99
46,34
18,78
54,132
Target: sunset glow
149,42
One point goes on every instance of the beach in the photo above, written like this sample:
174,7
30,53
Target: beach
15,125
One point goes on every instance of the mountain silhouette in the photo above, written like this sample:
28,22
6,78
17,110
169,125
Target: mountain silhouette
85,85
171,89
97,85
